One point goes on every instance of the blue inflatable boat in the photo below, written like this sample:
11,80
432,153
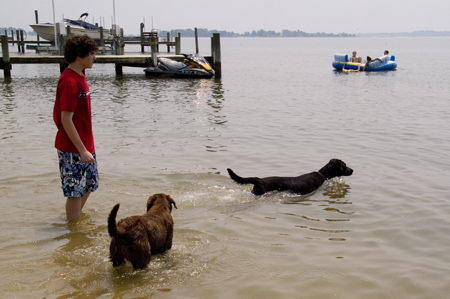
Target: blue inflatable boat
386,64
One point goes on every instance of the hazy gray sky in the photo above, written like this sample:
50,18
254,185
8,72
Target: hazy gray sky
331,16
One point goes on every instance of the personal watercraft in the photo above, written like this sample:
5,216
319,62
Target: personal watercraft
192,66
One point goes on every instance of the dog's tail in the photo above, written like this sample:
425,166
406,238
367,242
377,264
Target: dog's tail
112,227
240,180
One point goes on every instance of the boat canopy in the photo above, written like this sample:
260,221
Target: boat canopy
81,23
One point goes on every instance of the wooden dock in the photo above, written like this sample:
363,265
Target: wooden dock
118,60
132,60
138,60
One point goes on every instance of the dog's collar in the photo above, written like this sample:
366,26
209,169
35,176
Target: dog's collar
323,177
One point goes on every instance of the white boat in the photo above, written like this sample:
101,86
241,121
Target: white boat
47,30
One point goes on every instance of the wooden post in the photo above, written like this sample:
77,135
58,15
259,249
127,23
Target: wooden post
157,41
178,44
115,37
119,69
216,55
60,44
5,56
22,41
18,41
102,41
168,42
196,41
12,36
37,22
122,44
63,38
118,43
154,47
142,38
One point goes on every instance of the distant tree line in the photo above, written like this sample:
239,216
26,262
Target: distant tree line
8,30
203,32
421,33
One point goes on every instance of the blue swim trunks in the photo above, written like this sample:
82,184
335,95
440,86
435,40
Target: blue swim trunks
77,177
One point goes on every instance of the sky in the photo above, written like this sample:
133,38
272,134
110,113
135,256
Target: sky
239,16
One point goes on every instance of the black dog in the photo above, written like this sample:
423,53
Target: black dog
303,184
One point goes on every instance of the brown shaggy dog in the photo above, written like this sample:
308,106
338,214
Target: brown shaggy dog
136,238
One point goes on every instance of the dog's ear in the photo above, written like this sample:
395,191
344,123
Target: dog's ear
172,202
150,202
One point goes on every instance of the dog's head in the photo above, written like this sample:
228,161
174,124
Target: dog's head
339,168
161,200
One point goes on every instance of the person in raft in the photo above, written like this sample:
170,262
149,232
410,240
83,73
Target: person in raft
72,115
369,60
355,58
350,70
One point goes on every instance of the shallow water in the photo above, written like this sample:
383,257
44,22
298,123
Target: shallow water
279,109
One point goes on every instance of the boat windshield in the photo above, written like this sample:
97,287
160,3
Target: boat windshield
81,23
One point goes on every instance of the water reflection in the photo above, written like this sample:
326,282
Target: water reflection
24,103
334,223
7,103
337,190
119,91
334,189
156,107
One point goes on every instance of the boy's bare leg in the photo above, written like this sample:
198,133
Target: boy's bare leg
74,205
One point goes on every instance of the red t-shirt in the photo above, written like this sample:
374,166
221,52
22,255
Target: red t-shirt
72,95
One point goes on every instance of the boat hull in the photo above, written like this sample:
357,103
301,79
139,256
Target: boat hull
157,72
47,31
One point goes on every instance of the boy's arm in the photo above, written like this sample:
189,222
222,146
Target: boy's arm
71,131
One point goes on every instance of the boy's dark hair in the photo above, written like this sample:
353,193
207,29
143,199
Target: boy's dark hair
78,46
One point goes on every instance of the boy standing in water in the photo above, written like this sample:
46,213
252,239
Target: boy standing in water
72,115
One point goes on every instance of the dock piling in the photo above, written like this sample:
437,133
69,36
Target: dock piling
18,44
216,55
36,16
5,55
102,38
196,40
154,48
119,68
178,44
142,37
168,42
22,41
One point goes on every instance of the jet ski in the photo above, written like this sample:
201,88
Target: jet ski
192,66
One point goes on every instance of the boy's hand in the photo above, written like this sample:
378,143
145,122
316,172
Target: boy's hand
87,157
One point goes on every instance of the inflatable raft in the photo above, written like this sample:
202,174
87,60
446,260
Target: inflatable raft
386,64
